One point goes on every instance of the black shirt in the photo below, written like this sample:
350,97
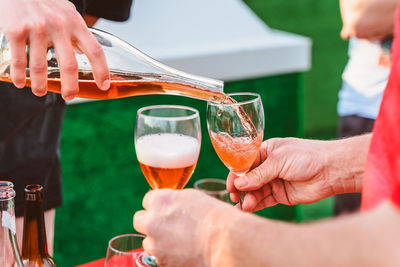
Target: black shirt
30,126
118,10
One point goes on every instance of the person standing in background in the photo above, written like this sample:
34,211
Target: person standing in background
30,124
369,24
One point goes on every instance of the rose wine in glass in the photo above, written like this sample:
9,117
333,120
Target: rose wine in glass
167,144
235,142
237,153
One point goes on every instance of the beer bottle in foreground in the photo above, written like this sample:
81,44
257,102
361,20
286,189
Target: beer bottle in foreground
34,244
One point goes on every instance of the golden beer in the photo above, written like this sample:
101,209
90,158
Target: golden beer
175,178
167,160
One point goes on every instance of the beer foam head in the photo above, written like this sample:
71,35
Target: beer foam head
167,150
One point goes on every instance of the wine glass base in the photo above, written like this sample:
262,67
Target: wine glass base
145,260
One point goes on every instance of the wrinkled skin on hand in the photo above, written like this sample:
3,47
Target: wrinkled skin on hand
46,23
181,226
288,171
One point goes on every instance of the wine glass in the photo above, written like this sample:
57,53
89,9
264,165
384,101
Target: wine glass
213,187
167,143
123,250
236,130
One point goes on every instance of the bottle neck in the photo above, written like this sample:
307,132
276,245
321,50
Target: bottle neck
7,192
7,215
34,244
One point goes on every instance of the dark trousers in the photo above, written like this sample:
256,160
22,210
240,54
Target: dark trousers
350,126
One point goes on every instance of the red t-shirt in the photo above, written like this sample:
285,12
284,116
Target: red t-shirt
382,174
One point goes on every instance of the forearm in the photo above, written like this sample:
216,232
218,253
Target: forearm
369,239
345,163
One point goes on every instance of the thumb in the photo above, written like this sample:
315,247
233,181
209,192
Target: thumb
259,176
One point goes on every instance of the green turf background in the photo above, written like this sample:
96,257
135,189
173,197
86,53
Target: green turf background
102,183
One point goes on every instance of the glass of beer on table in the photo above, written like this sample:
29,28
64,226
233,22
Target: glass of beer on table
167,144
236,130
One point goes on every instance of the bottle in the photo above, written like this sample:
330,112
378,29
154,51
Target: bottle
9,253
34,243
132,73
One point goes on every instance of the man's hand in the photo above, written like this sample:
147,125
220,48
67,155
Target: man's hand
189,228
45,23
368,19
298,171
184,227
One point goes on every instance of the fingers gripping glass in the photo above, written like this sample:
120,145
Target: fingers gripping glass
167,143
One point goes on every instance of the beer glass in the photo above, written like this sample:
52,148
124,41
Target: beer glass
167,144
235,145
123,250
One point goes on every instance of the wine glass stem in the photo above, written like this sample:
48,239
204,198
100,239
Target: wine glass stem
240,200
241,195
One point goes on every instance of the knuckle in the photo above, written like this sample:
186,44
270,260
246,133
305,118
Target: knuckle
70,6
39,28
157,198
57,22
257,176
151,225
269,145
71,16
16,33
37,67
164,197
18,62
69,66
140,222
146,200
96,50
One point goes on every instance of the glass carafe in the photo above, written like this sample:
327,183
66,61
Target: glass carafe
132,73
9,253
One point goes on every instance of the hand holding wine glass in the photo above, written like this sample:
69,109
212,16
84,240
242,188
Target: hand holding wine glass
236,130
167,143
293,171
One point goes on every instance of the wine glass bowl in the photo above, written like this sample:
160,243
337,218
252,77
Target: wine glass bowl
236,130
213,187
167,142
123,250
